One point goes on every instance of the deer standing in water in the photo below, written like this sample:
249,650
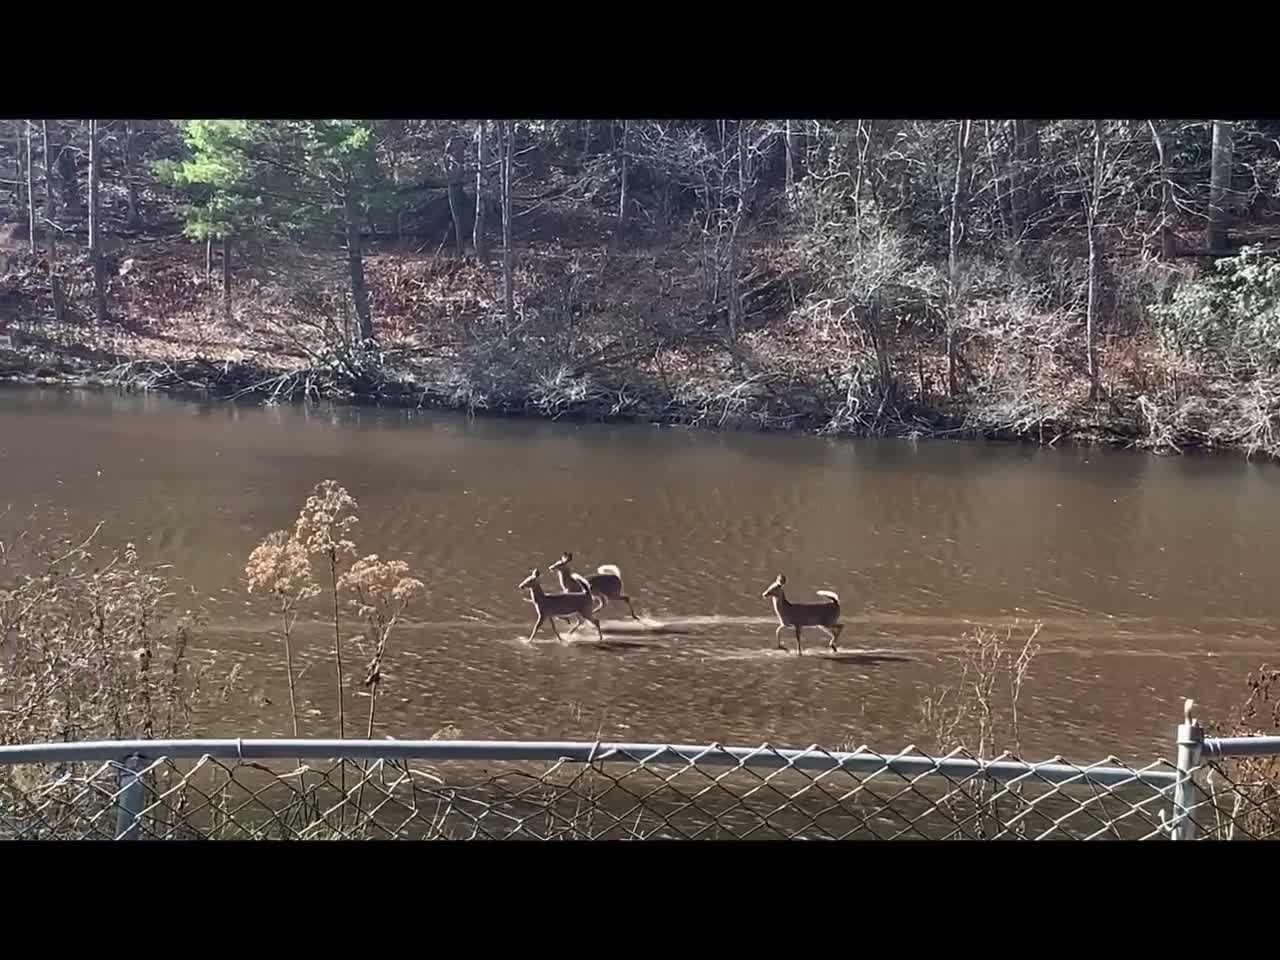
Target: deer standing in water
824,616
606,583
567,604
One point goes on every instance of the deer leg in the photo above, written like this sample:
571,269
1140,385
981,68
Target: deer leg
536,626
599,632
778,636
799,648
556,631
629,607
835,630
578,624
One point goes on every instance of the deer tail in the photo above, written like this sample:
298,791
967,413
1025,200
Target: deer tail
829,594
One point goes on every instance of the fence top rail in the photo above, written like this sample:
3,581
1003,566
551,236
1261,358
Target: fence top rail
909,762
1215,747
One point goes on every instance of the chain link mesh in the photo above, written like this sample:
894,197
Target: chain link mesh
1237,799
627,792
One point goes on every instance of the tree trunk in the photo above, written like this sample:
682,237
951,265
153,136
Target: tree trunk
1004,202
72,205
1031,166
477,228
128,174
1091,314
1217,235
622,193
95,227
18,176
882,346
31,196
508,294
789,145
208,259
735,294
1167,240
455,192
355,261
1017,188
55,281
955,235
226,275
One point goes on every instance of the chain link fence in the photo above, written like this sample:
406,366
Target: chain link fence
369,789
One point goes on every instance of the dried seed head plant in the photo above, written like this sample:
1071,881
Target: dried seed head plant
322,527
382,592
279,566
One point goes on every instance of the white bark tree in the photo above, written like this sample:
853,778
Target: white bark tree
95,225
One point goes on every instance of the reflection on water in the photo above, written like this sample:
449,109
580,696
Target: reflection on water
1152,576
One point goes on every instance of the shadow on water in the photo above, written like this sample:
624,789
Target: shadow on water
617,646
862,659
648,629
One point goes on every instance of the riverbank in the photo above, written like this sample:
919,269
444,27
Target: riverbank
253,381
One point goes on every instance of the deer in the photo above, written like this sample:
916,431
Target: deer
606,584
825,616
567,604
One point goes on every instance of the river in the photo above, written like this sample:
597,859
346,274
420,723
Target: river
1153,577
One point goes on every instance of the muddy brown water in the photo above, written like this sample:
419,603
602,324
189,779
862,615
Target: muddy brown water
1154,578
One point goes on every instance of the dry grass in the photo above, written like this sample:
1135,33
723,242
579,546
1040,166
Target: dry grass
1245,791
94,646
979,715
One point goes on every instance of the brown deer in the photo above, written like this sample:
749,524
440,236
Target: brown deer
552,605
606,583
824,616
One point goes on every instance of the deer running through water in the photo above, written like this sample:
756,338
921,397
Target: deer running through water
567,604
824,616
606,583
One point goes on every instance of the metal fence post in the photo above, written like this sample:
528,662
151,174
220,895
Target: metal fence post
1186,793
129,800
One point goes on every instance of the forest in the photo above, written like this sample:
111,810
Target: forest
1051,280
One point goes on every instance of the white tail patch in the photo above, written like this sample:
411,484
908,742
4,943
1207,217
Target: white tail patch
582,581
610,569
828,593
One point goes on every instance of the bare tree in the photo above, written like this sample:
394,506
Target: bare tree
1091,216
504,146
31,196
622,194
1029,144
453,166
735,294
130,181
477,227
964,154
18,175
69,181
226,274
789,145
95,226
55,281
1167,238
1017,189
1220,186
355,256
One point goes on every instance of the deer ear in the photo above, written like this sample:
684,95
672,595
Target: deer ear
782,578
535,572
